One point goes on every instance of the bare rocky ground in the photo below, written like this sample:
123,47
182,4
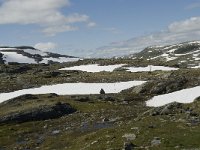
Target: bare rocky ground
102,121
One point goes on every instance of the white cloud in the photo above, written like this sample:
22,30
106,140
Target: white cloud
73,18
192,24
53,30
45,46
180,31
91,24
45,13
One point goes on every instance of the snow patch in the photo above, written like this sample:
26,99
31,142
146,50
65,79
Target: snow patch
94,68
15,57
194,42
59,59
167,57
182,96
73,89
196,67
7,49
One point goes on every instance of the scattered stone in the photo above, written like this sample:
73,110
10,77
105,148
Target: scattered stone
125,103
129,136
165,111
137,130
152,126
129,146
102,91
177,147
139,89
109,98
105,120
194,121
94,142
67,128
55,132
40,140
168,109
156,141
45,126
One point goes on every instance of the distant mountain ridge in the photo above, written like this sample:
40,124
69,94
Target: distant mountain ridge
28,54
187,52
131,46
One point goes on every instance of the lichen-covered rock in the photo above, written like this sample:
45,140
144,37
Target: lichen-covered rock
171,108
41,113
168,86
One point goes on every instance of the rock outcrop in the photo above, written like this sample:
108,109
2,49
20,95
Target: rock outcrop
41,113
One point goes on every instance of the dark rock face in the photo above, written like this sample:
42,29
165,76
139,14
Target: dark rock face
41,113
1,59
37,58
102,91
168,86
171,108
161,86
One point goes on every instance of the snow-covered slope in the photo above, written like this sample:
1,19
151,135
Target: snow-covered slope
26,54
187,53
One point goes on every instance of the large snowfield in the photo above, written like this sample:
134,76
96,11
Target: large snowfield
73,89
94,68
110,68
182,96
15,57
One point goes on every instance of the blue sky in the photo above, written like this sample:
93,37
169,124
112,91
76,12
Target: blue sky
78,27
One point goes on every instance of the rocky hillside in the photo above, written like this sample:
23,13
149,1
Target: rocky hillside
100,121
187,53
27,54
42,105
